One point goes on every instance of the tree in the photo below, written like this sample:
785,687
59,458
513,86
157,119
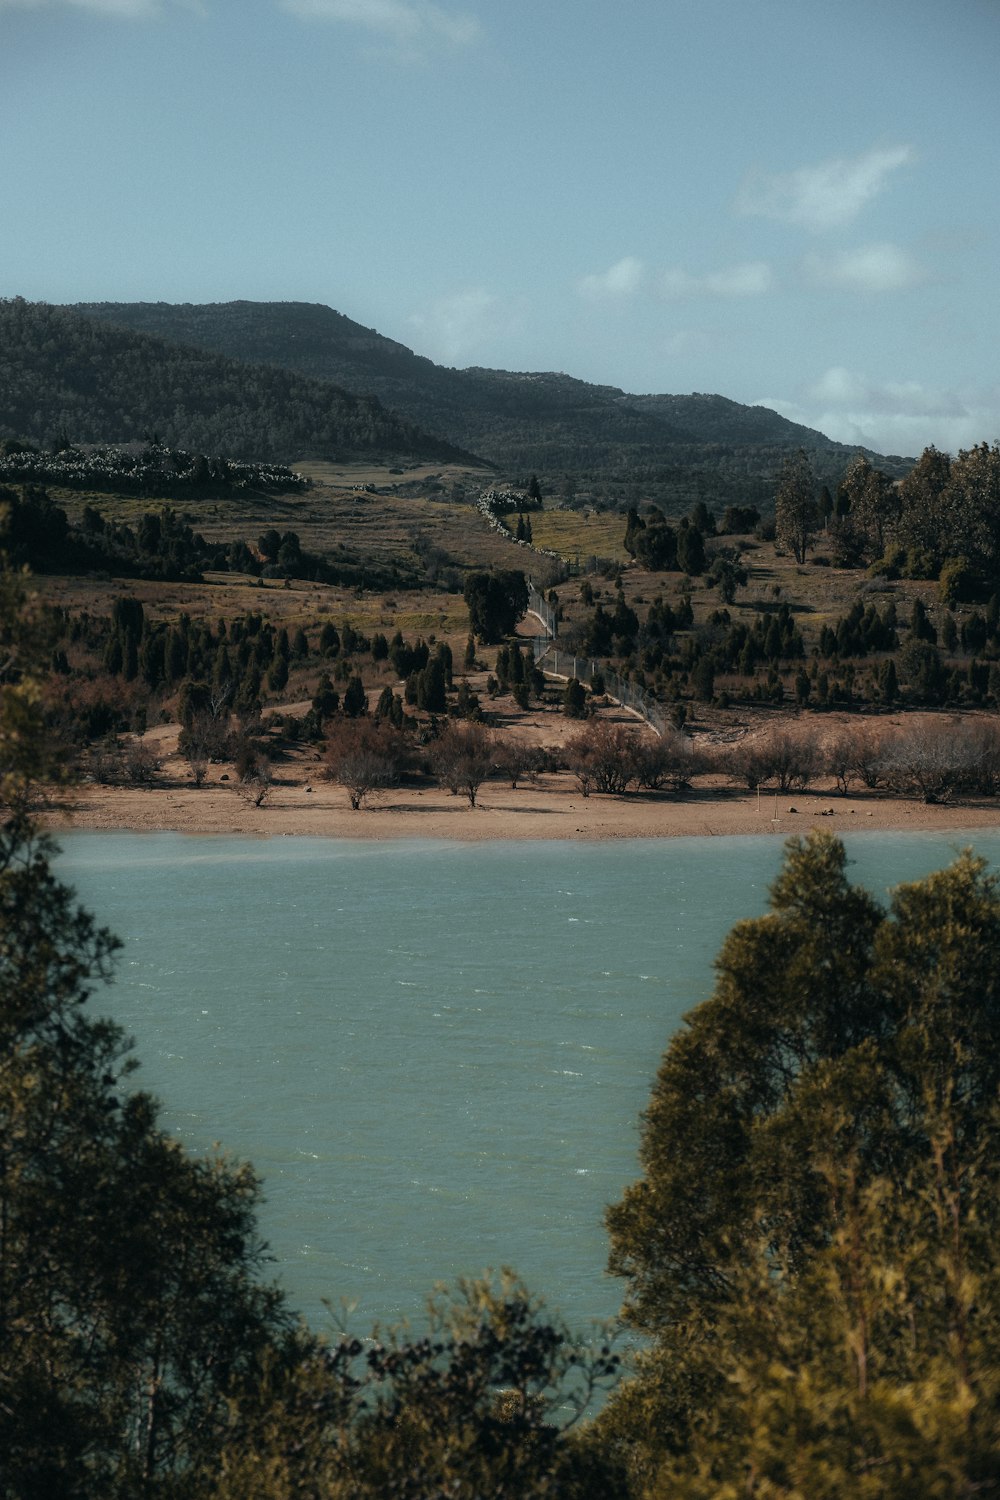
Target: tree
130,1300
690,549
496,602
795,506
462,758
27,754
365,757
601,755
811,1249
923,521
872,503
574,699
485,1403
355,699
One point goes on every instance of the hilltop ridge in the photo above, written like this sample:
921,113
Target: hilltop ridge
67,377
520,421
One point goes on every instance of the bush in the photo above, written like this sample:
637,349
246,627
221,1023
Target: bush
602,756
365,757
783,760
463,757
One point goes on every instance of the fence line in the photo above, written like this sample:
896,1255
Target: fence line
539,605
563,664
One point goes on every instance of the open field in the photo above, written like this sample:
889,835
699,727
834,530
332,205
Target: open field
441,538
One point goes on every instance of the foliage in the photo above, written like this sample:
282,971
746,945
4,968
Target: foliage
129,1270
483,1404
811,1247
795,510
61,372
28,754
144,469
671,448
496,602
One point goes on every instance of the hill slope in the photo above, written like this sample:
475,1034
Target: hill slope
548,422
62,373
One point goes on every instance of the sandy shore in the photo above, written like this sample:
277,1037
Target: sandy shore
552,808
304,802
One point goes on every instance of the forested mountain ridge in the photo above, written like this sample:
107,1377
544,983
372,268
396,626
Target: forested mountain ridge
65,376
548,422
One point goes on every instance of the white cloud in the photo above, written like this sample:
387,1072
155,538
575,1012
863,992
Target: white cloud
623,279
406,23
880,267
901,416
461,325
824,196
751,279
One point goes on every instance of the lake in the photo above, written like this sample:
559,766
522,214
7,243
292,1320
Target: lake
435,1053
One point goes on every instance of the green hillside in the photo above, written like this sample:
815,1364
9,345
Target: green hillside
68,377
677,448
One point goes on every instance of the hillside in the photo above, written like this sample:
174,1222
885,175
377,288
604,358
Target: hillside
64,376
678,448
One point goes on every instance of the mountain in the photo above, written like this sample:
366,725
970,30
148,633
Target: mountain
66,375
547,422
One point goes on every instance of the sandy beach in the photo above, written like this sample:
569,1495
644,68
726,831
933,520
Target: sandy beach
303,802
552,808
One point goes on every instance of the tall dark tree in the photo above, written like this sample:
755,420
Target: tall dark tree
839,1086
496,602
795,509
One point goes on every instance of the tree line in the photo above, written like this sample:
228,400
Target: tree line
37,533
62,373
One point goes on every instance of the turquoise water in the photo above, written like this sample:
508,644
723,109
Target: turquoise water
435,1054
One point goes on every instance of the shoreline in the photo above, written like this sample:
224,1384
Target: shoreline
551,808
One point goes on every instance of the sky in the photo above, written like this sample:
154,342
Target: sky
791,203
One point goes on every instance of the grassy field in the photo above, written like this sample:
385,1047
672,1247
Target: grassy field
439,538
578,537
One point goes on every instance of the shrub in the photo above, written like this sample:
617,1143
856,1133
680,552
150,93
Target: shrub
784,760
463,757
603,756
365,757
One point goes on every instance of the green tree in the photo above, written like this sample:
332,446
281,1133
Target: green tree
690,549
795,508
574,703
129,1295
496,602
355,698
872,504
486,1403
824,1129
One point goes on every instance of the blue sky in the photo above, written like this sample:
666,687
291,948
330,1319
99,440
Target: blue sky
789,202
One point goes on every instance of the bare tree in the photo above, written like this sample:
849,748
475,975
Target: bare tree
942,758
668,760
257,782
855,754
517,761
603,756
463,757
365,757
786,761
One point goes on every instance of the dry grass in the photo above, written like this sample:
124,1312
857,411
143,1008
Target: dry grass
577,536
339,522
